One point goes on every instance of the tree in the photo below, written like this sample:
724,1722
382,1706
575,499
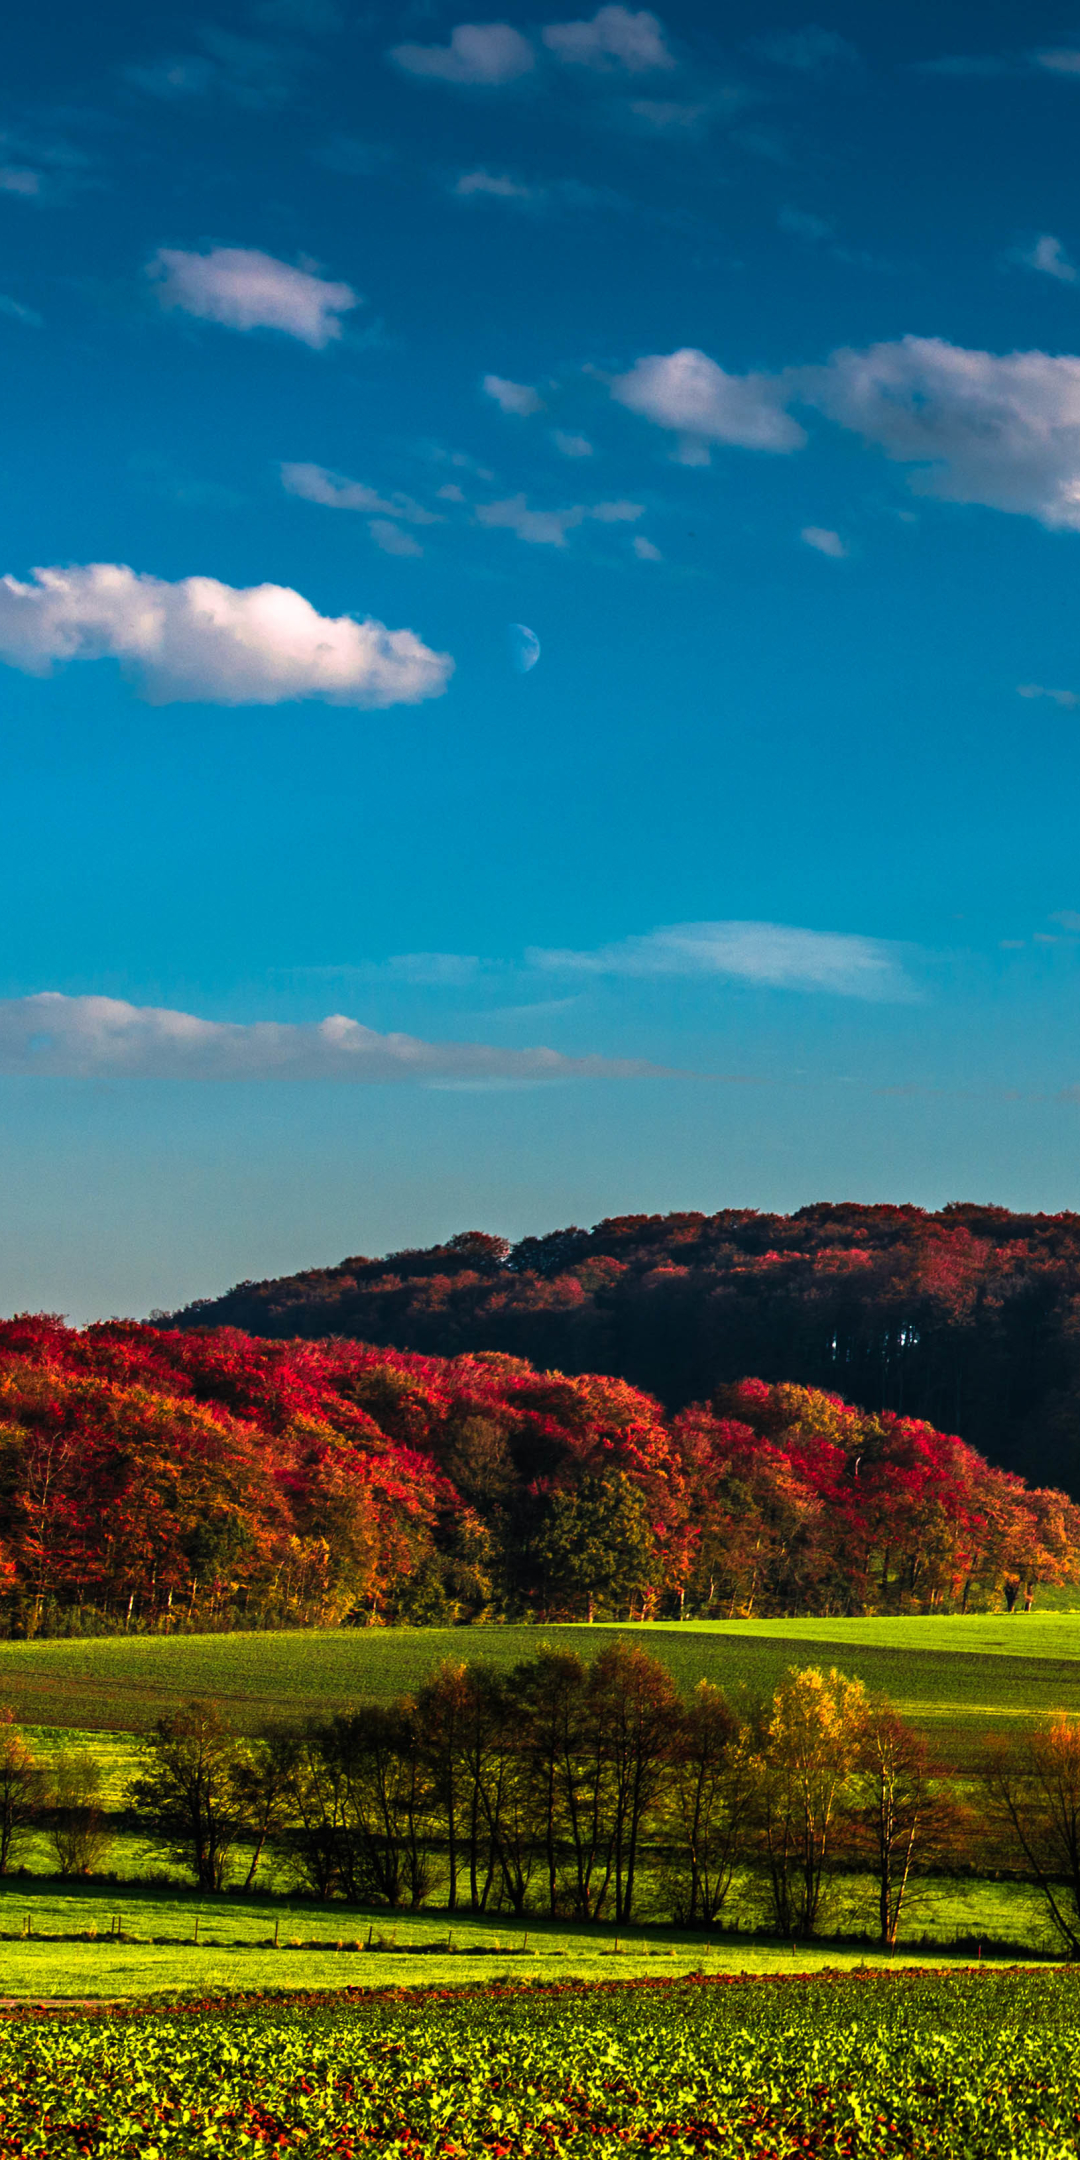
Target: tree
633,1706
595,1549
79,1832
187,1791
20,1790
808,1745
709,1793
891,1801
1033,1790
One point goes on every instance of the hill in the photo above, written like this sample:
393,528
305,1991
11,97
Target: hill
206,1478
967,1318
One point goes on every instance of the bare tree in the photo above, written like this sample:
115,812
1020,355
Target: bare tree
1033,1790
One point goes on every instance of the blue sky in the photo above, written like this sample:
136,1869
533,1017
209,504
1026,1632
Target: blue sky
733,353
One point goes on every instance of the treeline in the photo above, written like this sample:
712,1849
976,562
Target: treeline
205,1479
585,1792
965,1318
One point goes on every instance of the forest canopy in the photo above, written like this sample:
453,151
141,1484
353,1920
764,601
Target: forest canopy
202,1477
969,1318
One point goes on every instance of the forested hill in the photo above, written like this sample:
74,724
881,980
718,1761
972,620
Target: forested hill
969,1318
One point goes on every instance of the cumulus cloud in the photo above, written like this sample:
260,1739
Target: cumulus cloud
770,954
513,397
825,541
571,446
1048,255
88,1038
498,184
548,528
1068,698
615,38
483,53
977,427
689,393
204,642
247,290
315,484
999,429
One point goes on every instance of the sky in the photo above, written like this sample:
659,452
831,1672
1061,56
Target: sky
539,665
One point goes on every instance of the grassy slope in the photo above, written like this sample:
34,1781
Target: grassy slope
234,1951
956,1678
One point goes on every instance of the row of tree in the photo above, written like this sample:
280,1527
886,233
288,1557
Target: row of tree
570,1789
965,1318
205,1478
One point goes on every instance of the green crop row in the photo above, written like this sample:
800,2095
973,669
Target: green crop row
854,2067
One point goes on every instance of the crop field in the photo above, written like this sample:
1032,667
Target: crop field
854,2066
956,1678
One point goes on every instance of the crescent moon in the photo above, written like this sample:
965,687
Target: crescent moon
524,647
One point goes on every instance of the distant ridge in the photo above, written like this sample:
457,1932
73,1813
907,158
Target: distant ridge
969,1317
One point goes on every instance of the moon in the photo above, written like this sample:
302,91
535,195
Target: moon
524,647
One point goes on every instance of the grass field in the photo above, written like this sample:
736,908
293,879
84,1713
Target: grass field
956,1678
317,1945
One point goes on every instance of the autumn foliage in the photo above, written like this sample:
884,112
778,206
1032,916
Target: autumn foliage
966,1318
205,1478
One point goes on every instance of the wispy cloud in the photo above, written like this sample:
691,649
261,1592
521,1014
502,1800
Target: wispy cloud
243,289
826,542
484,55
500,185
773,955
518,398
616,39
548,528
198,641
17,312
1048,255
1068,698
88,1038
315,484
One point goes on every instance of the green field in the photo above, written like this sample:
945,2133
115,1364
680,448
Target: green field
864,2066
956,1678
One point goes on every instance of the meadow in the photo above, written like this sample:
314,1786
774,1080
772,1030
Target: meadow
856,2066
955,1678
142,1930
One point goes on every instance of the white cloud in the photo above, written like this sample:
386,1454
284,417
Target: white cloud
391,539
315,484
1061,60
16,311
486,53
1069,698
497,184
616,37
247,290
548,528
1003,430
19,180
771,954
204,642
103,1038
513,397
645,550
979,427
689,393
1048,255
571,446
825,541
